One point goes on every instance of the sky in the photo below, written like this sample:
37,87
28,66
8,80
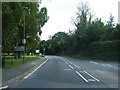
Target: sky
62,13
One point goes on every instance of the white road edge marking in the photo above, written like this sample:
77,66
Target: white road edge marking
94,62
35,69
92,76
3,87
71,67
81,76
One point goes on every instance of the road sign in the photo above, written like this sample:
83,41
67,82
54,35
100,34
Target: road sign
18,48
37,51
24,41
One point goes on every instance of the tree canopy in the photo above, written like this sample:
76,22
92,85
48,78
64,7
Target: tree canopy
17,16
87,31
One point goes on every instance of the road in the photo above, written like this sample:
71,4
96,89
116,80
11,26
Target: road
65,72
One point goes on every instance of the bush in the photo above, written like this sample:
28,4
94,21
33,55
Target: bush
107,50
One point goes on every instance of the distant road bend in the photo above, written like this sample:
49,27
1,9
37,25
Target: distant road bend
64,72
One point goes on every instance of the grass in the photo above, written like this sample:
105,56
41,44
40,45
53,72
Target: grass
18,61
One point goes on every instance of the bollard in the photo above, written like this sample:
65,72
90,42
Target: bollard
3,62
12,60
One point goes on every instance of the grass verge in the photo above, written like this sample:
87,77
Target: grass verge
19,61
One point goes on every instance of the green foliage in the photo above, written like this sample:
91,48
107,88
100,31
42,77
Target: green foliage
57,45
91,38
106,50
18,61
17,16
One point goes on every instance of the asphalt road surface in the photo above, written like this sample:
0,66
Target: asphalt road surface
64,72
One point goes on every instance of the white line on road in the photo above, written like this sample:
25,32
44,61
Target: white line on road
109,65
94,62
70,62
3,87
91,76
66,62
76,66
103,64
63,60
71,67
67,69
81,71
35,69
81,76
91,80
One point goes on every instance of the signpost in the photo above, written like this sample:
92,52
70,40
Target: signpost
19,48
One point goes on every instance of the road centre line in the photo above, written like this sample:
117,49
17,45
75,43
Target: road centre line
71,67
92,76
81,76
66,62
76,66
63,59
70,62
35,69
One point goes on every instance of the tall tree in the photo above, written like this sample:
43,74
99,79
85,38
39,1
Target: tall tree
84,17
16,17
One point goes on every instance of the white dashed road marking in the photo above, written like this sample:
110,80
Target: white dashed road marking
70,62
76,66
66,62
71,67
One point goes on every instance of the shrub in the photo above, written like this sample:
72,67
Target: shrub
107,50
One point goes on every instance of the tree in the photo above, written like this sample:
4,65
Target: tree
83,19
18,15
110,21
94,31
57,44
11,17
108,32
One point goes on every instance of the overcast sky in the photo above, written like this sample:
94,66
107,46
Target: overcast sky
61,12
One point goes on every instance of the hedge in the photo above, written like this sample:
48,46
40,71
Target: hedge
107,50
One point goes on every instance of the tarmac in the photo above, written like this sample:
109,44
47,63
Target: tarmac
17,74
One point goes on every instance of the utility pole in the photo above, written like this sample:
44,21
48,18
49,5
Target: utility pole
24,40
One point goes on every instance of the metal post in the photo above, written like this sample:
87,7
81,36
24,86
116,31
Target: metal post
44,51
24,41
